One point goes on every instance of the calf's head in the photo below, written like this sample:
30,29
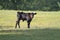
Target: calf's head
32,14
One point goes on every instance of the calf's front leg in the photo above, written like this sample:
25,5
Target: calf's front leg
29,21
28,24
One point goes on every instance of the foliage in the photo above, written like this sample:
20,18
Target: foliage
30,4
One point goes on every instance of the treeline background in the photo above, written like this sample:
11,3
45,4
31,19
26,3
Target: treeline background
47,5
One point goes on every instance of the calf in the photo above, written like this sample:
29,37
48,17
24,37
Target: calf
24,16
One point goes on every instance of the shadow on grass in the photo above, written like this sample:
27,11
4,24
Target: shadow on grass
2,27
31,34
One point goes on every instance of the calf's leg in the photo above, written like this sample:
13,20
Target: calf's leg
17,23
29,21
28,24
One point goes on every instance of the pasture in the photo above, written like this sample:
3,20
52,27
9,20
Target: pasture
44,26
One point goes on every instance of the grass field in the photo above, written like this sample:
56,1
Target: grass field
44,26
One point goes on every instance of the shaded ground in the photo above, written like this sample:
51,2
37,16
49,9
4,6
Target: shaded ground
30,34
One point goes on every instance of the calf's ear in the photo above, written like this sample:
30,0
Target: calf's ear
35,13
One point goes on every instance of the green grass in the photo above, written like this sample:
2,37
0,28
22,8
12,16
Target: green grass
41,20
31,34
44,26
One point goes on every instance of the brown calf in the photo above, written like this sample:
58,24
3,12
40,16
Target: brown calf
24,16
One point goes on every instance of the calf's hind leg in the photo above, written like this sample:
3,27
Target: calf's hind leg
17,23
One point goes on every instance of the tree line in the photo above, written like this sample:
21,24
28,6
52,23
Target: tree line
47,5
